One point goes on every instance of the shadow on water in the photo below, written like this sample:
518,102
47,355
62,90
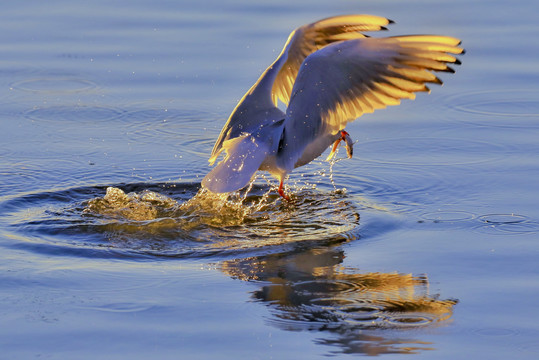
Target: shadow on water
311,291
289,249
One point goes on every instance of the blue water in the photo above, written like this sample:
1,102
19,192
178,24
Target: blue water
425,243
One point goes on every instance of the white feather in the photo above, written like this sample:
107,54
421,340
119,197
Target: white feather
328,74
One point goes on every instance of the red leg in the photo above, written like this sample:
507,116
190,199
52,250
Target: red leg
281,191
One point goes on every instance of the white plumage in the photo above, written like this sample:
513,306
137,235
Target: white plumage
327,74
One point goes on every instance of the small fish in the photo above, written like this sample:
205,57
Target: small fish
347,142
349,145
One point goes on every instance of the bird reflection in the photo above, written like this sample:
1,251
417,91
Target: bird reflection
311,290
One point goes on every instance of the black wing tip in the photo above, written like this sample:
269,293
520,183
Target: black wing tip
457,62
389,21
449,70
435,81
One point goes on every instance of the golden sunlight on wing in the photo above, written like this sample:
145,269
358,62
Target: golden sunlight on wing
312,37
278,79
327,74
350,78
437,40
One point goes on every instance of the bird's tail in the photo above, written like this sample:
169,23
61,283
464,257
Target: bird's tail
244,155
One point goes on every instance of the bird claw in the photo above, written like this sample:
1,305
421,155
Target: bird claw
348,143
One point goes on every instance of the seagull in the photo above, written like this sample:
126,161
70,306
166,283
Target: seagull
328,74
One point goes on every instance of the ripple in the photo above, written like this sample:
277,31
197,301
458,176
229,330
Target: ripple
11,74
364,313
506,224
402,187
331,302
168,220
409,320
321,287
367,308
518,228
312,290
142,115
495,332
29,174
18,175
448,216
428,151
531,347
502,218
512,108
180,126
54,85
121,307
75,113
5,151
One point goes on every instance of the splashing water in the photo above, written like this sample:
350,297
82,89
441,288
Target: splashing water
185,220
138,207
180,219
227,209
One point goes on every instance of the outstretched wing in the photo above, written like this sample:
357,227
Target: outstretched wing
277,80
342,81
311,37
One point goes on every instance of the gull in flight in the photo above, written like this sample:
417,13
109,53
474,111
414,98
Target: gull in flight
328,74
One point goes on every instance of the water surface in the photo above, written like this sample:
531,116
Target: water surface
424,244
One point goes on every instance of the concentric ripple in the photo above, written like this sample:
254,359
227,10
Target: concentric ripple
503,218
448,216
499,108
171,125
399,187
172,220
506,224
428,151
54,85
76,113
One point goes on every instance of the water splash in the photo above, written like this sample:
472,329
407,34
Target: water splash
147,205
176,220
229,209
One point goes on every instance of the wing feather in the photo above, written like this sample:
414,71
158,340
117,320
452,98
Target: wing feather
311,37
350,78
278,79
